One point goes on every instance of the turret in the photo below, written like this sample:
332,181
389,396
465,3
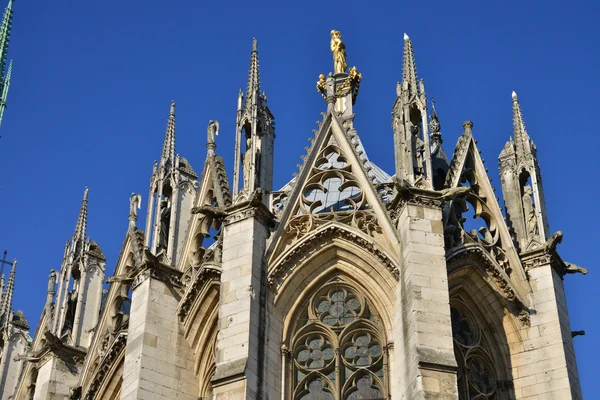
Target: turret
80,279
172,190
254,137
7,296
409,120
522,186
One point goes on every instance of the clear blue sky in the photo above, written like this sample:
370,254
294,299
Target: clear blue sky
93,80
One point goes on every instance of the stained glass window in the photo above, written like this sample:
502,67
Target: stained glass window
337,350
476,373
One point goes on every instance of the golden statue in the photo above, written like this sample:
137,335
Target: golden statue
339,53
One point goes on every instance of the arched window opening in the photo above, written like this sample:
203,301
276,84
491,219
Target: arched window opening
477,375
338,349
529,205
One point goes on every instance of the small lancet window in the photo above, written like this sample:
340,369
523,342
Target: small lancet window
337,349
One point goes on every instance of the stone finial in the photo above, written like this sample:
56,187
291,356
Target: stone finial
81,226
212,131
468,127
168,152
254,44
135,201
514,95
406,37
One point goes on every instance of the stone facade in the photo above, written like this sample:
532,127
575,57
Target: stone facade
347,283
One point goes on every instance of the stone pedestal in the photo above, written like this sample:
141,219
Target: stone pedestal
546,367
55,378
240,341
159,364
423,345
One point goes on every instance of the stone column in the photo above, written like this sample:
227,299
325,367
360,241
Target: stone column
546,366
159,364
56,377
240,346
424,363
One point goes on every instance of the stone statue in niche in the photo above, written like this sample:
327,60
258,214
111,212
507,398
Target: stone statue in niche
248,166
70,314
418,151
247,163
529,212
165,219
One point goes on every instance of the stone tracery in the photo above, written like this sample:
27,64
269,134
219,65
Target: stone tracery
337,349
477,376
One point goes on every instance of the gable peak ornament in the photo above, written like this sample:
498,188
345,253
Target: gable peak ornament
338,48
343,83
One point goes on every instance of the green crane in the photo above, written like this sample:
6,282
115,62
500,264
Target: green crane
4,72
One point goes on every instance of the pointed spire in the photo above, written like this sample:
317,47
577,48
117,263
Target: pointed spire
81,227
8,296
253,88
519,125
168,153
409,69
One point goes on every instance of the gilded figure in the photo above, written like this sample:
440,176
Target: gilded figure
339,53
321,83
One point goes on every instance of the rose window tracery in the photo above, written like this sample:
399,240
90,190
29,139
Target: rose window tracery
476,373
332,186
337,348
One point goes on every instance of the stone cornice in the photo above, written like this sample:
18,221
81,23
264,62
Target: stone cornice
545,255
55,347
405,196
152,268
247,209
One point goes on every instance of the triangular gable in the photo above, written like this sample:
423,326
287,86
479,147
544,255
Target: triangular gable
213,194
333,185
113,322
467,169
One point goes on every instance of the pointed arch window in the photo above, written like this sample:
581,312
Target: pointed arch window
477,376
337,351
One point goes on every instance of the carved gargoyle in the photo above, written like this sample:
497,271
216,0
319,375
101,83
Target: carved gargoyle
26,357
577,333
256,197
75,393
554,241
453,193
402,186
52,341
574,269
148,257
124,278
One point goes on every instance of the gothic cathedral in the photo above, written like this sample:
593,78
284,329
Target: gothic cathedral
347,283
